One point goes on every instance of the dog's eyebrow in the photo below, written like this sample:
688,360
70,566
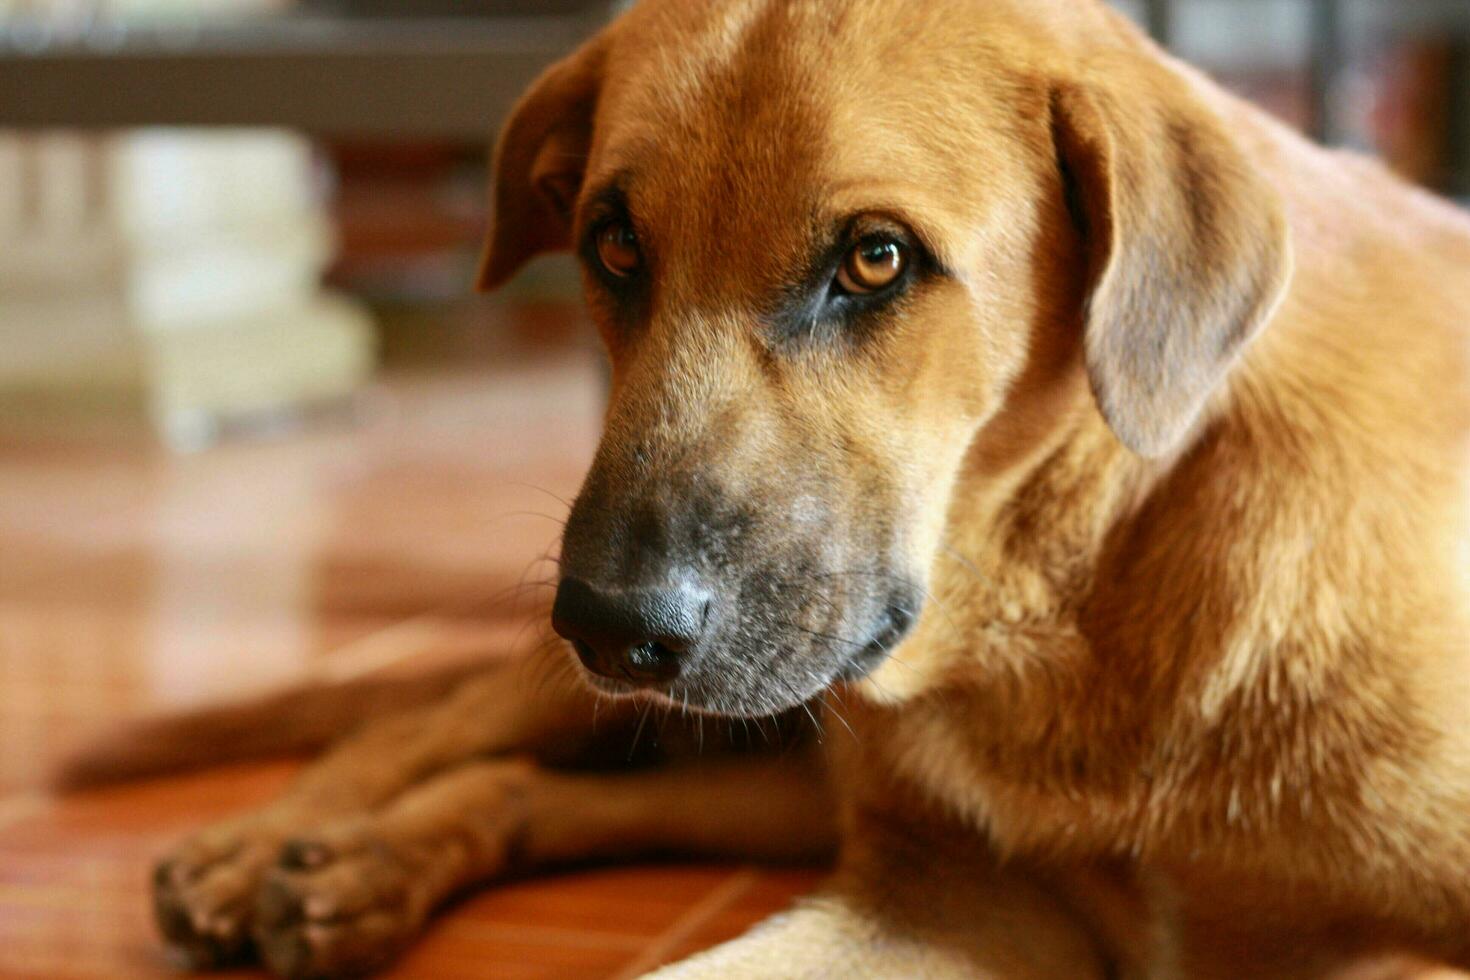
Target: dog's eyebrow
610,198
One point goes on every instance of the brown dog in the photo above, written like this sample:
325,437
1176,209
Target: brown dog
1102,444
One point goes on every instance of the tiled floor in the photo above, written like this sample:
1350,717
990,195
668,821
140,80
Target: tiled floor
134,582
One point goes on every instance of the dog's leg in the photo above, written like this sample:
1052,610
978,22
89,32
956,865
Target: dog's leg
351,897
204,890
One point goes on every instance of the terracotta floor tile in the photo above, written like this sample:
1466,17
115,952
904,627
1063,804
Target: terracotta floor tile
761,894
641,902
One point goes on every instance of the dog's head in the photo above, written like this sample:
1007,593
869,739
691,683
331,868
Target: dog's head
833,248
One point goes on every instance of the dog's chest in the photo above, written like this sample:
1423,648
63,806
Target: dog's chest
1025,784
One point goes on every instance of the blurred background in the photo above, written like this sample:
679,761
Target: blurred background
223,216
214,213
256,430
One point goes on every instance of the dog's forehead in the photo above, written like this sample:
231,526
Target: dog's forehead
766,120
673,57
715,121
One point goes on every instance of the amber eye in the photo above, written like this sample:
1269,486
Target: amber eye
617,249
874,264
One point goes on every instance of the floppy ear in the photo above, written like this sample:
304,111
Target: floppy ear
539,163
1187,248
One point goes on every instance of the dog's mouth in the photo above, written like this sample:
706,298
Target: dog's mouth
897,621
749,676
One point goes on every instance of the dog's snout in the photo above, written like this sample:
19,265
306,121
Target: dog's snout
637,635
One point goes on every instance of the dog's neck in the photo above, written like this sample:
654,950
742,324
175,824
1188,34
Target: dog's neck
1041,491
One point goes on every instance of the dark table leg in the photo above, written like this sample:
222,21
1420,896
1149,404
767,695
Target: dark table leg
1327,65
1159,16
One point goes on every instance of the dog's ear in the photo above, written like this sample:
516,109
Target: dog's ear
1187,248
539,163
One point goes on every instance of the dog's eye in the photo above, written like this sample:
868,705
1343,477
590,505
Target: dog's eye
873,265
617,249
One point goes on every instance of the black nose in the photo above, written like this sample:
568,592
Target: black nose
638,635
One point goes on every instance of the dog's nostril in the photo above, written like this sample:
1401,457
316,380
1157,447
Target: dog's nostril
653,663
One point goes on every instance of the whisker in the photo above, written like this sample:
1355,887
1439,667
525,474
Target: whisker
816,725
839,716
558,521
540,489
638,733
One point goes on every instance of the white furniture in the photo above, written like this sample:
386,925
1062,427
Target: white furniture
172,274
172,277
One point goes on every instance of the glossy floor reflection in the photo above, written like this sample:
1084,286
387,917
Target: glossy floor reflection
132,581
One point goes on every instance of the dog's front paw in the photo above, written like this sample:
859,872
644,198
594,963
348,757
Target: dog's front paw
204,890
342,903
